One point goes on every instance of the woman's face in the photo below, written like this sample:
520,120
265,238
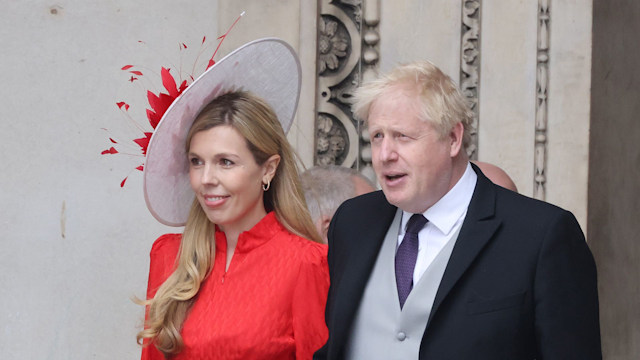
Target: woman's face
226,179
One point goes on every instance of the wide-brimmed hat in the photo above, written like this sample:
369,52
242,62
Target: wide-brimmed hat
269,68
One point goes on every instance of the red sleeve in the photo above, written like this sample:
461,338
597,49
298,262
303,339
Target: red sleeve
161,264
309,299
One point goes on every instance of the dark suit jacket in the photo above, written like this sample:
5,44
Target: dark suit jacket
520,283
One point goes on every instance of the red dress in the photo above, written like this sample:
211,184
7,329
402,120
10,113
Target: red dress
268,305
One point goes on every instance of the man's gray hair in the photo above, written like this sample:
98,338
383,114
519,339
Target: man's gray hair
326,187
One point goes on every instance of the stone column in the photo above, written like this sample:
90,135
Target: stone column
614,174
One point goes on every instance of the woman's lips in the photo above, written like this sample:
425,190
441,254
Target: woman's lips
214,200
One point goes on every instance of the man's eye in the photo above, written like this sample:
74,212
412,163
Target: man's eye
377,136
402,136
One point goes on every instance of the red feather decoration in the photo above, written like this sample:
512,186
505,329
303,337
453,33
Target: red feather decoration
111,150
160,102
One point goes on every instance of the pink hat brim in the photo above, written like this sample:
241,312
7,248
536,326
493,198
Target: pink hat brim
269,68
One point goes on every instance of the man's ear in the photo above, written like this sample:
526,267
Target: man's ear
455,136
270,166
325,221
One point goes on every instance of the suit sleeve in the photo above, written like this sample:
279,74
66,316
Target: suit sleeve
323,352
309,298
566,295
161,263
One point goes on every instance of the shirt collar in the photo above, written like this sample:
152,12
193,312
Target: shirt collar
452,206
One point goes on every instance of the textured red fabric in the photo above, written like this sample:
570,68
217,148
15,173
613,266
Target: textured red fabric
268,305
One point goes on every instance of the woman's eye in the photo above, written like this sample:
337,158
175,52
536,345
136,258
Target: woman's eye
226,162
195,161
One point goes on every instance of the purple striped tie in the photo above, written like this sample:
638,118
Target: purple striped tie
406,256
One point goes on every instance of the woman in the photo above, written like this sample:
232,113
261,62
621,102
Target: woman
243,281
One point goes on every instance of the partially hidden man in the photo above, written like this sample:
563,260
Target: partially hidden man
442,263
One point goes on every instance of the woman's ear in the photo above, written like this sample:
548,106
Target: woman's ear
270,166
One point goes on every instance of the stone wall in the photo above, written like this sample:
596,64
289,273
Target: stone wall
74,245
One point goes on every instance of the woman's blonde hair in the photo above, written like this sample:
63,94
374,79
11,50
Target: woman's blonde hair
254,119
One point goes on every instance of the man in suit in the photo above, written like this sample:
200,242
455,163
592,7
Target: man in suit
442,263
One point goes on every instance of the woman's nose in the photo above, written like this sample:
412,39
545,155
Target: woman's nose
209,175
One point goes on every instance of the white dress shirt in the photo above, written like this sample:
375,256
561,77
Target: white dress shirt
445,219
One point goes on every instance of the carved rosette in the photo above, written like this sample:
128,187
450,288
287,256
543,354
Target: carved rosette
331,140
470,65
542,86
341,64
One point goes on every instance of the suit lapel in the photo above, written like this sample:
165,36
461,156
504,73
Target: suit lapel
477,230
369,229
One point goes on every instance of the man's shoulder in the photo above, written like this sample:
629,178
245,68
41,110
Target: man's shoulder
532,215
372,198
373,204
508,200
364,211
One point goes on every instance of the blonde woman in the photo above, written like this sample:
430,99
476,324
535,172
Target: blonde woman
248,277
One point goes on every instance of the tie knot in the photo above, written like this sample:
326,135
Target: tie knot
416,223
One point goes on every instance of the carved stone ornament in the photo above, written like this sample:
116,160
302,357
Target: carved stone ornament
470,66
332,45
542,86
339,57
331,140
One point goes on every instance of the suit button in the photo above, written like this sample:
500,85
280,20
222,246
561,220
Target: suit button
401,336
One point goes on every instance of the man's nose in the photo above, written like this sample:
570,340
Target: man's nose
388,150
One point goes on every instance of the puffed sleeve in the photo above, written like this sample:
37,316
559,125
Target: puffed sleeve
161,265
309,299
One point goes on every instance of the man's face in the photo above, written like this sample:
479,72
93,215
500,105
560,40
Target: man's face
413,163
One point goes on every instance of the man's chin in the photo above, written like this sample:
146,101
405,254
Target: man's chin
405,203
395,199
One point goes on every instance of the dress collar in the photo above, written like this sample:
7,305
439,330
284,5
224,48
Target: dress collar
258,235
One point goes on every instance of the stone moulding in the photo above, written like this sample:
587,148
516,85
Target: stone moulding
369,65
348,54
339,53
542,91
470,65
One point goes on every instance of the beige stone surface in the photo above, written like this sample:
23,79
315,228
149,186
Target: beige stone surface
413,30
75,246
569,98
294,21
508,89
